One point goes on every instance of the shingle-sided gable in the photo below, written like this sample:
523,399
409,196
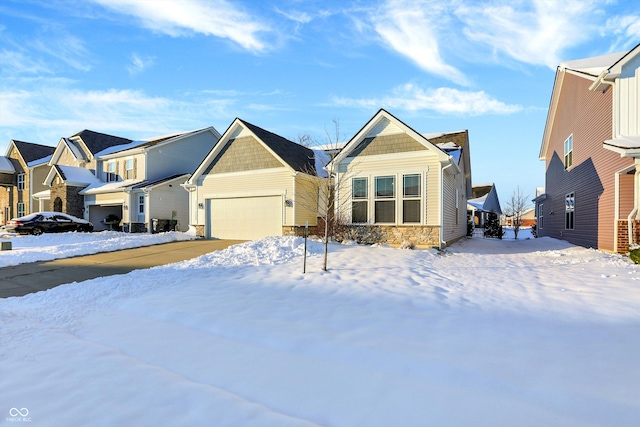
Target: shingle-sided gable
244,153
298,157
96,141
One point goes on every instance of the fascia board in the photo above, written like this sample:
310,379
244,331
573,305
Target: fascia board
551,114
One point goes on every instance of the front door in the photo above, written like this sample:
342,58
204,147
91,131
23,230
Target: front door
140,208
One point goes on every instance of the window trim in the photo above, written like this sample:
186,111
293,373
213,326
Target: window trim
568,152
364,200
540,221
412,197
20,208
128,175
20,181
112,175
385,198
570,211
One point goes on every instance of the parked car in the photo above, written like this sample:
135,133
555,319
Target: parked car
47,222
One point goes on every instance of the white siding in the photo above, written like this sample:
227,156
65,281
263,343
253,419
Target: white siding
628,99
166,202
179,157
384,127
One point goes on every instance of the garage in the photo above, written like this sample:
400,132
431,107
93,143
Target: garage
97,214
245,218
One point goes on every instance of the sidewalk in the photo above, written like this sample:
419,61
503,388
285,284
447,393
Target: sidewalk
24,279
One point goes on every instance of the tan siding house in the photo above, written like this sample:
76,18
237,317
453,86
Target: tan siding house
407,186
253,184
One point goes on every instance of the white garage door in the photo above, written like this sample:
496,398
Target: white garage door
245,218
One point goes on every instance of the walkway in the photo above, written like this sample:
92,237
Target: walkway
24,279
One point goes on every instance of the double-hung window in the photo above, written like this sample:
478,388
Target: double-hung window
20,182
540,216
21,210
385,203
129,173
411,205
112,172
359,200
569,211
568,152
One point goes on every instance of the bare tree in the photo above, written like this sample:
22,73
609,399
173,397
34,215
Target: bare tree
306,140
328,182
517,205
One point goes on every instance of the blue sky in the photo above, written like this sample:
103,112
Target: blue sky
142,68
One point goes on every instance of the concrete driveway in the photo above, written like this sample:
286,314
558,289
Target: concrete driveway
24,279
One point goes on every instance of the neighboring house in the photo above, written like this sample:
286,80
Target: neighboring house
413,187
590,148
527,218
137,182
483,202
253,184
22,172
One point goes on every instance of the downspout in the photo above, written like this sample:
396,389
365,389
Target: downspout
636,204
442,242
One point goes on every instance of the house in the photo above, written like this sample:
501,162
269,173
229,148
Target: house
483,203
411,187
22,172
591,147
138,182
253,184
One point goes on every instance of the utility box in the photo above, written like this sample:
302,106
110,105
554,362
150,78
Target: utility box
5,246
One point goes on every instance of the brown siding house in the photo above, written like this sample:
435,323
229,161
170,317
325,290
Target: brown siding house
588,186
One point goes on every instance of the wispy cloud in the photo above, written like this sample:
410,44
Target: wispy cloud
139,63
19,63
410,97
627,30
411,28
66,48
533,32
218,18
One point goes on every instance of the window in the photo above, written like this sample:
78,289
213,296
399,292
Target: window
359,203
569,211
128,169
141,205
540,216
20,182
112,171
21,211
411,198
385,210
568,152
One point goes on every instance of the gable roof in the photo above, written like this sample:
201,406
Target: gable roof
71,175
157,141
291,154
298,157
31,152
375,120
96,141
602,70
485,199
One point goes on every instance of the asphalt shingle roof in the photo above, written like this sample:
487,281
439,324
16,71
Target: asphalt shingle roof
30,151
300,158
96,141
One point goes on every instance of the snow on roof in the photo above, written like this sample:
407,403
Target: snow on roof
626,142
452,149
594,65
336,146
109,187
321,160
44,194
6,165
77,175
478,202
434,135
74,148
39,161
122,147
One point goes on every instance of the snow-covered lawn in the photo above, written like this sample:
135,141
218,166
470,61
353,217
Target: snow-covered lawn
490,333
